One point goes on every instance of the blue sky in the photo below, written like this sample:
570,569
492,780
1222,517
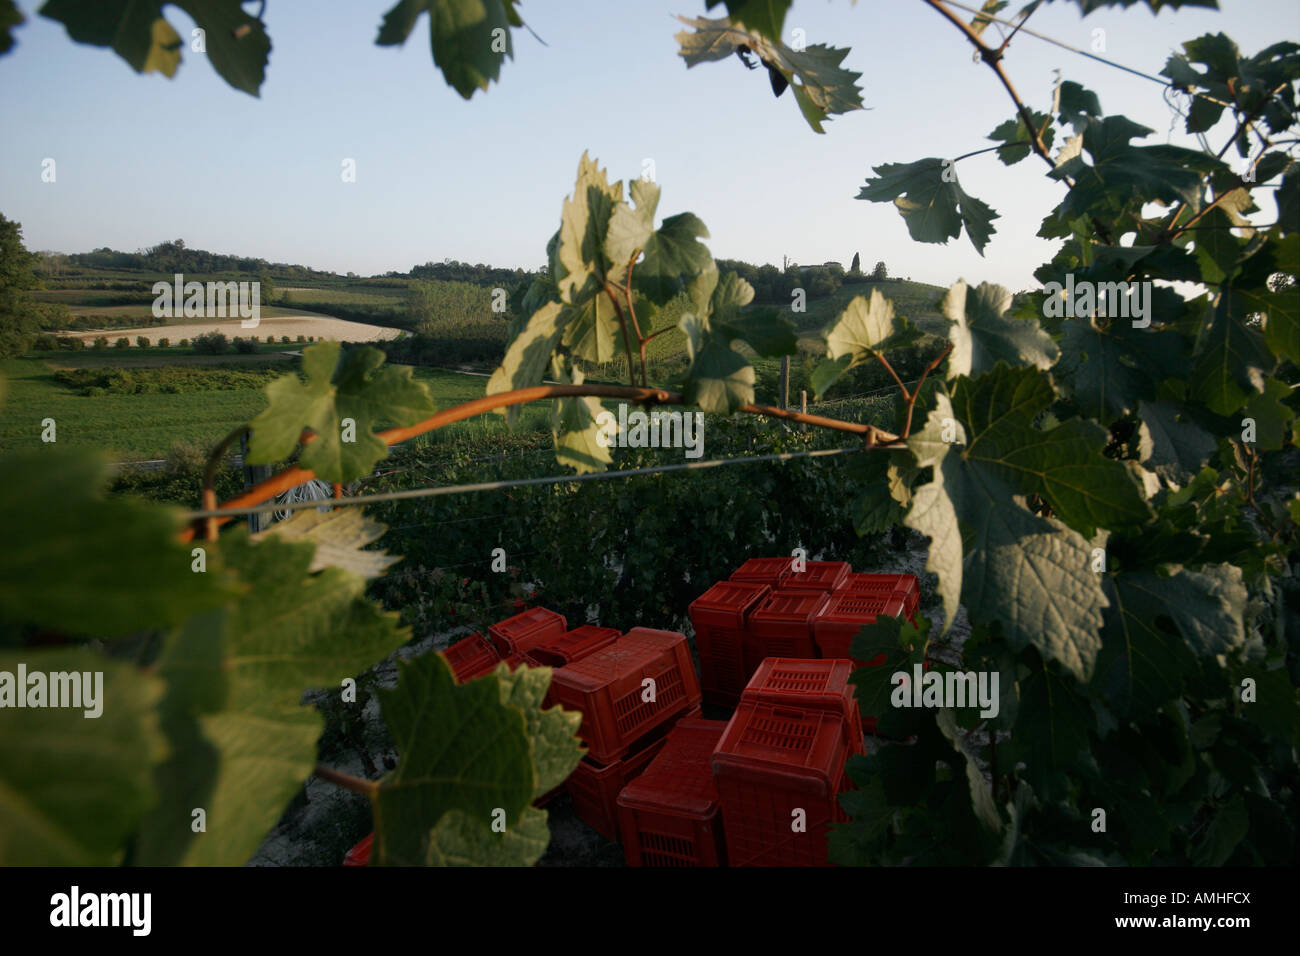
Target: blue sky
142,158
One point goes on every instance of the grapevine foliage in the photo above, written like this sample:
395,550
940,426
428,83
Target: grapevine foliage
1111,498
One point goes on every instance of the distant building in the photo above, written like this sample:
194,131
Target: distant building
833,265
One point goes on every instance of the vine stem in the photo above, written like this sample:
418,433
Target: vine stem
294,476
347,781
210,477
993,57
911,399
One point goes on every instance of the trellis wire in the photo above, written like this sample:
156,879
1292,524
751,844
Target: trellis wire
430,492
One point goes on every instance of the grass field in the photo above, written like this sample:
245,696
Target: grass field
142,427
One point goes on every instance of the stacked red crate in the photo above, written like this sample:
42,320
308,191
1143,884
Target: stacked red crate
720,617
471,657
782,626
779,770
630,694
573,645
809,685
516,636
817,576
670,816
905,587
768,571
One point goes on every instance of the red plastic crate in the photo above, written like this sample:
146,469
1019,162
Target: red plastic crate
809,685
846,613
472,657
904,586
763,571
573,645
607,688
720,616
521,633
782,626
817,576
670,816
771,761
594,787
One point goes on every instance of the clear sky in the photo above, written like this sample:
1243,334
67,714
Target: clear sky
142,159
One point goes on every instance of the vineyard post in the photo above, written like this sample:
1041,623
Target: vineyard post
785,381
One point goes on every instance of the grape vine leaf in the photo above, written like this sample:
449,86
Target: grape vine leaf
574,428
719,379
672,254
340,538
10,17
233,711
584,223
461,840
931,201
761,16
1088,6
1231,359
867,326
552,733
1271,416
355,388
1051,732
981,796
1110,369
1156,627
767,331
1029,573
630,228
1173,446
1019,138
467,46
237,44
591,329
72,787
461,749
982,334
94,566
821,85
529,355
1123,172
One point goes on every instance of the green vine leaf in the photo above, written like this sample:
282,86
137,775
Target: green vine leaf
673,255
340,538
529,355
1172,445
466,45
866,327
720,379
821,85
761,16
462,840
1029,573
981,797
237,44
579,262
1111,369
767,331
630,228
931,201
552,733
574,429
461,749
1231,359
10,17
354,388
242,742
74,787
982,334
1051,732
1019,137
93,566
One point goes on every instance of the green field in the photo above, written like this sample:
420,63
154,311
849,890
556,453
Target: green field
142,427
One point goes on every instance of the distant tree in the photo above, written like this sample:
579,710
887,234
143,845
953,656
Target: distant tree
101,342
122,343
879,273
18,322
269,293
855,268
141,342
211,343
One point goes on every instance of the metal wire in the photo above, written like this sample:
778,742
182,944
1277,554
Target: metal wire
430,492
